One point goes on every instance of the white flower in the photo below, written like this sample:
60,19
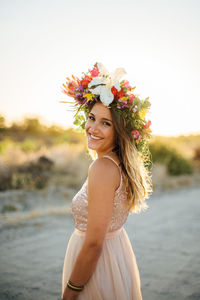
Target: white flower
102,84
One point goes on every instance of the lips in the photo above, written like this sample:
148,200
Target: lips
94,139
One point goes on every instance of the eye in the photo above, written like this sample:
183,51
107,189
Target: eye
107,123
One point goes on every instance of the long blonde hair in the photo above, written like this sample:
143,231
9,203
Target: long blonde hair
135,165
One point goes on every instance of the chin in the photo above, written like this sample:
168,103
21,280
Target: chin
92,147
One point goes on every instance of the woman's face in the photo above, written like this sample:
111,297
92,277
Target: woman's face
100,129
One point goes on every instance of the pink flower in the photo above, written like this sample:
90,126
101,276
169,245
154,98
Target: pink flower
124,105
135,133
95,72
127,85
131,97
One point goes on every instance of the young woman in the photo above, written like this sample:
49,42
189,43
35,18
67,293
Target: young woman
99,262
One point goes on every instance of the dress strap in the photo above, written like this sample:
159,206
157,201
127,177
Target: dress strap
111,159
119,170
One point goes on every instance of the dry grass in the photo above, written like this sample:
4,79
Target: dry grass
20,217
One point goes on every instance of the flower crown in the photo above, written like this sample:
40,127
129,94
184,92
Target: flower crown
97,84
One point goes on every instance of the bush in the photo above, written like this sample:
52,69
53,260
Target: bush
4,144
197,154
175,162
178,165
28,181
160,152
28,145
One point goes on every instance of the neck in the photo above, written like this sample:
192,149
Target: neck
110,152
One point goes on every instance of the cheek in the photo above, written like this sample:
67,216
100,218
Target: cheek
86,125
110,133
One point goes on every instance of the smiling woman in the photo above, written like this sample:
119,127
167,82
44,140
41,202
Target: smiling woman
100,130
99,262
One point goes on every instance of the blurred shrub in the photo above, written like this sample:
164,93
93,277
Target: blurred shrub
21,181
196,154
175,162
2,123
70,136
34,174
28,181
178,165
31,175
8,208
5,144
5,178
160,152
32,126
62,138
28,145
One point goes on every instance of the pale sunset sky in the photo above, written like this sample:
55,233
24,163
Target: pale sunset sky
157,42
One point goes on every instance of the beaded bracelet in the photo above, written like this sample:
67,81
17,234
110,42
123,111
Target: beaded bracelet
74,287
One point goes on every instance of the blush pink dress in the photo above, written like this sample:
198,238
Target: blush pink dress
116,276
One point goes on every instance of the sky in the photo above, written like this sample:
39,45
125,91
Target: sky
157,42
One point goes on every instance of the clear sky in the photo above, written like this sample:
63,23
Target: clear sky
157,42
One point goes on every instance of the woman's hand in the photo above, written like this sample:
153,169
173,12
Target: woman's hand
69,294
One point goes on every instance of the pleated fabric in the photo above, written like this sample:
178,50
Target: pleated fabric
116,276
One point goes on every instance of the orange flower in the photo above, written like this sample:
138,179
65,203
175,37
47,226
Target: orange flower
69,89
147,124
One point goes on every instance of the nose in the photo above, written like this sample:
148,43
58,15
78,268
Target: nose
94,128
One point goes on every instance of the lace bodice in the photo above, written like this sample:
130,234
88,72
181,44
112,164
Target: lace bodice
121,209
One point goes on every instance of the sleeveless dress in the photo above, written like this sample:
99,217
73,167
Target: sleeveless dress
116,276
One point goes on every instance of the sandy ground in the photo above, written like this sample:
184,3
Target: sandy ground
165,240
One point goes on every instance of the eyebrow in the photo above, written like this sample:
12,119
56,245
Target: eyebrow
102,118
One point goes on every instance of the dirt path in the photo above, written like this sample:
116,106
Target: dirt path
165,240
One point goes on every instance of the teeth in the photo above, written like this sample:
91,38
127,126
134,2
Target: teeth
94,137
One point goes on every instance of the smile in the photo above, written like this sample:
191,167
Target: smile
94,138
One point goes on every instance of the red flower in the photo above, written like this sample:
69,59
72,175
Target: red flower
121,93
84,82
117,94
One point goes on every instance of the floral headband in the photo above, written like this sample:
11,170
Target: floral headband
97,84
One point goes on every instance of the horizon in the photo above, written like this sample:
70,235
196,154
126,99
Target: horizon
48,124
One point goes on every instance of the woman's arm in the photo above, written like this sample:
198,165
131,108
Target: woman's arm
84,266
103,179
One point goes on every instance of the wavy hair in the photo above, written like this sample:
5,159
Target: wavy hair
135,165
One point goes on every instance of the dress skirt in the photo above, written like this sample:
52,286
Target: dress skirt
116,275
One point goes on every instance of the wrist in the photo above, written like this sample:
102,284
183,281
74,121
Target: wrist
72,292
74,287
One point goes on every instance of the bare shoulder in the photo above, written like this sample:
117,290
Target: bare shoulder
104,171
102,181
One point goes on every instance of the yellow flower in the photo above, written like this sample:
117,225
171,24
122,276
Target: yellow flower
89,96
124,98
142,113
